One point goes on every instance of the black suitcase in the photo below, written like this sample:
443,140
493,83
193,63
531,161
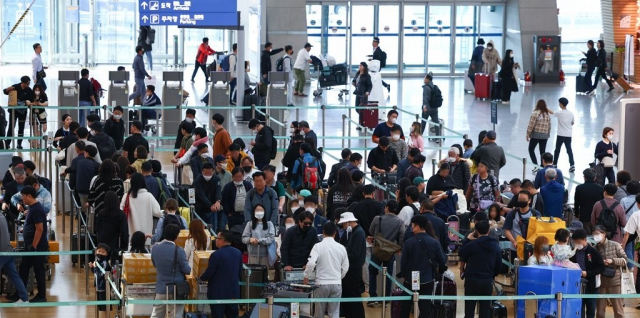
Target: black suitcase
250,100
259,275
8,288
498,310
445,310
496,90
581,86
181,194
74,247
506,255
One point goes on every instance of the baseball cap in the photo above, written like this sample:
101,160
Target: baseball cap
575,225
308,45
418,180
491,135
219,158
305,193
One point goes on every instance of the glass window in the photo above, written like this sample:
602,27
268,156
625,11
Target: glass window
32,29
439,39
116,31
466,34
491,25
336,33
579,23
415,38
388,33
314,26
362,33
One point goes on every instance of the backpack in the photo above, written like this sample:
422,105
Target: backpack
274,145
97,88
163,195
608,219
280,63
46,183
105,149
310,174
383,61
151,36
224,63
435,101
171,219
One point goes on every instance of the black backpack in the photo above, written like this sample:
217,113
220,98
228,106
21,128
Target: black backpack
280,63
171,219
435,101
383,61
608,219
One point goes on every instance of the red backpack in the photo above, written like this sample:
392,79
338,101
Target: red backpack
310,174
97,87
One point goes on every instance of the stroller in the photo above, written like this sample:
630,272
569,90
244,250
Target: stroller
328,74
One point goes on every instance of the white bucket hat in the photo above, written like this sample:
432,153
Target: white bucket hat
347,217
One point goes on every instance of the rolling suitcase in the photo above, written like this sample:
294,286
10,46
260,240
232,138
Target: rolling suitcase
468,84
444,308
498,310
581,86
262,310
369,115
433,130
483,86
621,82
496,90
259,275
396,305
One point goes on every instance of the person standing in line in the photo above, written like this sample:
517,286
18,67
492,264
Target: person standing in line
585,198
300,66
222,139
146,41
287,67
35,240
24,94
509,82
610,203
538,131
85,95
614,258
223,275
379,55
363,87
139,73
171,265
37,67
476,64
565,130
482,259
591,264
233,69
330,261
265,61
262,144
204,50
604,152
601,63
352,284
591,57
8,265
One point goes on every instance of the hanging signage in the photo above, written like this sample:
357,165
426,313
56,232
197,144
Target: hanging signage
193,13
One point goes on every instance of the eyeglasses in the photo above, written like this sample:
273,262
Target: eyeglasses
307,223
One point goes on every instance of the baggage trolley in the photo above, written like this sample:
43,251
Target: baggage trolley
329,75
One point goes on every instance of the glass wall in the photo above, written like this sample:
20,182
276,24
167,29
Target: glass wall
388,31
439,47
116,28
467,19
578,22
336,32
491,18
315,26
362,33
415,39
34,28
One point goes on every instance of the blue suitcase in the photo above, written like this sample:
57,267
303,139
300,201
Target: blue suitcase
195,315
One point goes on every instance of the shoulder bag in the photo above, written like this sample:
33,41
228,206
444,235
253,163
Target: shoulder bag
609,162
181,290
127,207
383,249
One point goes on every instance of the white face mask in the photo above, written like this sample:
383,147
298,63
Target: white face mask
259,214
609,136
302,133
204,155
312,210
395,137
207,177
117,117
93,133
223,166
36,92
349,229
239,183
188,119
288,225
598,238
579,247
301,202
393,120
451,159
294,208
292,130
490,48
511,55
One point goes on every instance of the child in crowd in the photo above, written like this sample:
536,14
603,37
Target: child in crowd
138,240
496,220
102,258
562,251
540,252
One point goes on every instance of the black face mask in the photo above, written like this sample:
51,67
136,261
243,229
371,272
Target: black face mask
306,228
101,258
522,204
247,169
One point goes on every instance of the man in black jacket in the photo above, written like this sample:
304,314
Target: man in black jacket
379,55
439,227
263,143
482,259
114,127
298,242
105,144
233,199
367,209
346,153
189,119
352,284
601,63
292,154
591,57
586,196
11,188
208,195
591,263
265,61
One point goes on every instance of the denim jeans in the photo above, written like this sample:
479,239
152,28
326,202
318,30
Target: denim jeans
149,59
7,263
232,87
82,113
140,89
373,276
210,218
628,249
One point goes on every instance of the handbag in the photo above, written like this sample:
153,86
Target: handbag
127,207
41,74
182,289
384,249
627,283
273,254
608,162
609,272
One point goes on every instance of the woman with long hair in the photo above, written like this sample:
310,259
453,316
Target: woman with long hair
601,63
403,184
128,171
122,163
111,225
258,235
541,254
416,140
604,153
340,192
39,115
140,206
197,240
107,180
538,131
138,243
363,85
509,82
62,131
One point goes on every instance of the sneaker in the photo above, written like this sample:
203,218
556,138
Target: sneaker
38,299
505,102
535,170
358,128
20,301
290,105
192,80
611,88
572,169
373,304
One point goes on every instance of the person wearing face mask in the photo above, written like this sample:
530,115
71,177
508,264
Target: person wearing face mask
400,146
614,259
591,264
234,159
265,60
222,139
277,186
63,131
220,162
383,159
24,94
102,257
114,127
307,132
39,115
262,145
298,242
133,141
258,234
384,129
311,206
354,240
491,59
234,197
150,99
263,195
507,75
459,169
541,255
292,154
483,189
476,64
604,153
289,222
294,129
105,144
189,119
199,159
517,221
248,168
208,195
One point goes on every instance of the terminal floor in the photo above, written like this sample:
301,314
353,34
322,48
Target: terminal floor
460,111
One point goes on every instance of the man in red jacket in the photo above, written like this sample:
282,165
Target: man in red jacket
204,50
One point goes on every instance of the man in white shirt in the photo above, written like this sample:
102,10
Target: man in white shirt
633,225
287,67
565,129
37,66
331,263
233,69
413,208
302,60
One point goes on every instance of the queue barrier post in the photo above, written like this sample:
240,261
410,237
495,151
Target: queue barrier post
416,298
86,259
107,275
344,117
434,163
384,289
524,168
559,299
247,288
64,204
269,306
323,124
365,152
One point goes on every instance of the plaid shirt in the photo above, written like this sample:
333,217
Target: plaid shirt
539,122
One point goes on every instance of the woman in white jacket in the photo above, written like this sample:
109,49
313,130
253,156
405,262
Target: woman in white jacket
142,207
197,240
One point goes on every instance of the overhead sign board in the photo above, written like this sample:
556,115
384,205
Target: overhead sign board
187,6
189,13
189,19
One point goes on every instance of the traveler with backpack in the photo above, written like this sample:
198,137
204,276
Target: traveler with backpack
265,61
229,63
306,171
106,181
86,96
146,38
285,64
517,221
105,144
610,214
155,185
263,195
302,61
204,50
431,101
170,218
265,146
586,197
380,55
258,234
208,195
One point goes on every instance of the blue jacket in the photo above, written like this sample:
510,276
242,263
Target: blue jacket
162,256
421,253
403,165
483,257
160,227
318,222
268,199
154,189
553,197
299,171
541,180
223,273
138,68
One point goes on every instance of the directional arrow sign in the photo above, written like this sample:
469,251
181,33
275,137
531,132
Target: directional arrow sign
145,19
188,6
191,19
144,5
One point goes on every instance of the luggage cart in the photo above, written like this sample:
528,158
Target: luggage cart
292,286
328,74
